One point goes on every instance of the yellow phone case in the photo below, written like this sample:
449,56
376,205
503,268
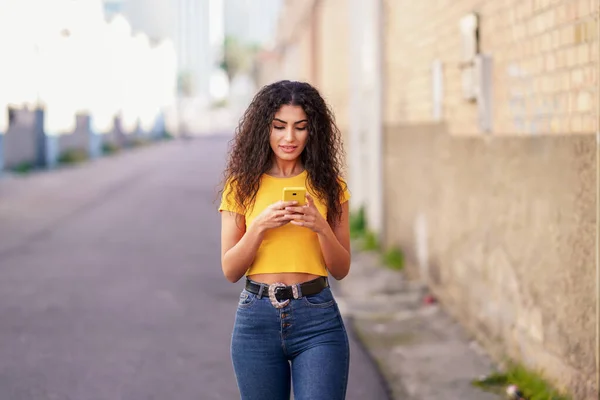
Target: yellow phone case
295,194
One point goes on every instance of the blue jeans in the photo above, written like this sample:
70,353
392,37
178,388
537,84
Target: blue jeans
304,344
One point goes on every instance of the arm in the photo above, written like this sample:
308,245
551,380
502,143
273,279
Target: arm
334,240
335,245
238,246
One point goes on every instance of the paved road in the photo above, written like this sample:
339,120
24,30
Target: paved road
110,282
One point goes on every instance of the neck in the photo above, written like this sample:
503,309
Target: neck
283,168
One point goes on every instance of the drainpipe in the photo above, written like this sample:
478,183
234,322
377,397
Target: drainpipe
598,204
356,122
3,129
374,72
379,152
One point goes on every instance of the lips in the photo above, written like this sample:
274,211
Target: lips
288,149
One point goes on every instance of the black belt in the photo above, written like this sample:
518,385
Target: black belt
287,292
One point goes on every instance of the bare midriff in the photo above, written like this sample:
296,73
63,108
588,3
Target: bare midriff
287,278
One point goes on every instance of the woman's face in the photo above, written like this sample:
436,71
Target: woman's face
289,132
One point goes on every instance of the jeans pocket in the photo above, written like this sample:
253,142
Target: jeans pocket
322,299
246,299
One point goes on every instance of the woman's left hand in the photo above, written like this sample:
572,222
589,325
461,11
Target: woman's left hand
307,216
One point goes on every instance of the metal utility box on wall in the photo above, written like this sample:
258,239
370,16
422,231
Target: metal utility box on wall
437,84
476,71
483,91
469,48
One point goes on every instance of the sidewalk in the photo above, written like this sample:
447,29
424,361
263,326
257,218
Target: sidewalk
421,351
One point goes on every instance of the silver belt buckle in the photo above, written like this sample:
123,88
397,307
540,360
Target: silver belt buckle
272,291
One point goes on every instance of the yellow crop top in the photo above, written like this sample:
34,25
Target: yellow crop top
289,248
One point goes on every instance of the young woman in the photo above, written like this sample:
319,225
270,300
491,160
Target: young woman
288,329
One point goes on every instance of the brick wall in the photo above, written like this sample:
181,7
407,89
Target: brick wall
545,55
333,43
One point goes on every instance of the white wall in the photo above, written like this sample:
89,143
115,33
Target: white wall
366,127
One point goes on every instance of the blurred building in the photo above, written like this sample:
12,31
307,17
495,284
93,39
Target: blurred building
252,24
470,129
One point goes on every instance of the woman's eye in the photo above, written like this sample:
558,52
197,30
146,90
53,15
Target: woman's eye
302,129
279,127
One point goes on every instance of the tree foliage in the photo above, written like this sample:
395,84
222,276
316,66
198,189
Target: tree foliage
237,56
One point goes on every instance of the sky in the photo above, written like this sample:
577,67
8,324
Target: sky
199,50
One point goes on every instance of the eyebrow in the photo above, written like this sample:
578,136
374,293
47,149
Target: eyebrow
284,122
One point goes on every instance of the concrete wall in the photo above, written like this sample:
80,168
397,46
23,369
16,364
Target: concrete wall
332,42
313,46
19,145
366,105
503,228
79,139
26,142
116,136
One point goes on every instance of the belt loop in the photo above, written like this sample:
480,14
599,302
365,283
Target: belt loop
298,291
260,291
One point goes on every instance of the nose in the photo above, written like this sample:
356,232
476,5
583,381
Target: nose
289,134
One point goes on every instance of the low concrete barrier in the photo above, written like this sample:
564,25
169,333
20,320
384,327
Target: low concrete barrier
27,144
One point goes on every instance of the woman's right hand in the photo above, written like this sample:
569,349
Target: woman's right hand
273,216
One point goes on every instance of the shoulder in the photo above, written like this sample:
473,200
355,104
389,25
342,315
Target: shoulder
229,198
345,194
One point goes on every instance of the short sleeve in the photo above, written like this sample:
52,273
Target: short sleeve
345,191
228,202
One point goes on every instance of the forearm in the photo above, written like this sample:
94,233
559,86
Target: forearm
336,257
239,258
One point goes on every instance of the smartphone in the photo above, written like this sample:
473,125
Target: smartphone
295,194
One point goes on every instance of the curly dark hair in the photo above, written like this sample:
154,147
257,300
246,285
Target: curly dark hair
251,156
